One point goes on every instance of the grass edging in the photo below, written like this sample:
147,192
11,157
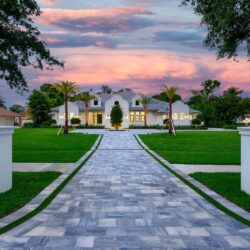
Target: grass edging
197,190
50,198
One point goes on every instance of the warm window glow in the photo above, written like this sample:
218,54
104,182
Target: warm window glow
190,117
95,118
175,116
137,116
61,116
182,116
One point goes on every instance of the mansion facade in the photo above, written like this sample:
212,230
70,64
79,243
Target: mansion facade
100,109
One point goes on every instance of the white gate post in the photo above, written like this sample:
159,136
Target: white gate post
245,159
6,158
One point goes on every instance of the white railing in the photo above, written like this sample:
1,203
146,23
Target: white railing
245,158
6,158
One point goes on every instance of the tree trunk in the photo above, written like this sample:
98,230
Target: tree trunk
87,116
170,127
145,116
66,120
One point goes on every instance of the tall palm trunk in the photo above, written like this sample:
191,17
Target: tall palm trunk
145,116
86,115
66,120
170,127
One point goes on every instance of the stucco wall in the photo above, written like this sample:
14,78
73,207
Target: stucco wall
7,121
153,118
73,111
180,107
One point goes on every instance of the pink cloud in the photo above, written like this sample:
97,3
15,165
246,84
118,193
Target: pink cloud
118,19
50,2
145,70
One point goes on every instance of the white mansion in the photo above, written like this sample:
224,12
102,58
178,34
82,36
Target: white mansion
100,108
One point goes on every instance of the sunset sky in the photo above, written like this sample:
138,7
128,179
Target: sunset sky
139,44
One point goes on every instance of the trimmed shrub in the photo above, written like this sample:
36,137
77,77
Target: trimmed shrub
75,121
196,122
28,125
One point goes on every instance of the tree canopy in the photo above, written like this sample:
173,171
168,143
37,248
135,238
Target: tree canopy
39,107
106,89
17,108
226,109
228,25
56,98
2,102
20,45
163,97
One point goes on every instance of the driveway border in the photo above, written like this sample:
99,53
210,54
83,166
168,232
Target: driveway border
215,199
43,199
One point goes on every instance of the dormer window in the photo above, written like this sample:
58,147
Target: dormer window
95,102
137,102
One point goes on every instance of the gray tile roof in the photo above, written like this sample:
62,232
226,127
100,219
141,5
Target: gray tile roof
154,106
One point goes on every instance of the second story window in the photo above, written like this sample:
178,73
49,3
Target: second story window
137,102
95,102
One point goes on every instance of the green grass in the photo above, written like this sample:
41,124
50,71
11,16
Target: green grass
196,147
226,185
44,145
26,185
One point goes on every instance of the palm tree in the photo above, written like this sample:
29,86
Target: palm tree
67,88
85,97
2,102
145,102
170,92
233,91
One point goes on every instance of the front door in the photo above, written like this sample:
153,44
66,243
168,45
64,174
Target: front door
99,118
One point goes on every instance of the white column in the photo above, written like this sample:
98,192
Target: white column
245,158
6,158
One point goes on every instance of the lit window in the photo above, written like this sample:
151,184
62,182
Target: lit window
175,116
137,102
164,117
61,116
132,118
96,102
182,116
190,117
137,117
142,118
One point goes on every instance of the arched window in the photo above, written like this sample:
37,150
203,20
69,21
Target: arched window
117,103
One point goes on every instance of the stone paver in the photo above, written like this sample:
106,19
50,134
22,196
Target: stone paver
189,168
124,199
37,167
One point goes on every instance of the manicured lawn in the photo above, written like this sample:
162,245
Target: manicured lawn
44,145
26,185
196,147
227,185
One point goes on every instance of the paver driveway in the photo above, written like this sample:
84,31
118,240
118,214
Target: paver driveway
123,199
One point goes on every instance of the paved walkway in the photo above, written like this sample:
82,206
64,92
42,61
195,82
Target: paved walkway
123,199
